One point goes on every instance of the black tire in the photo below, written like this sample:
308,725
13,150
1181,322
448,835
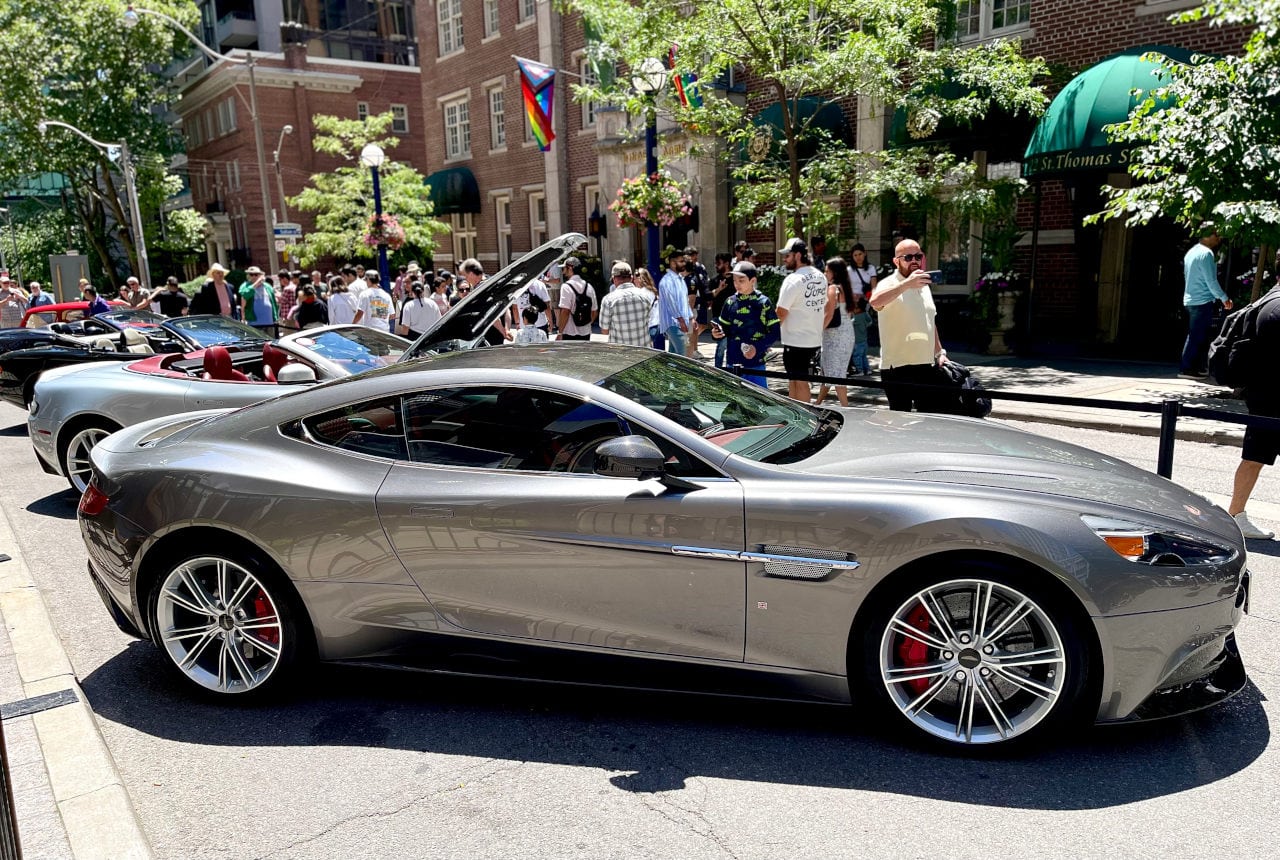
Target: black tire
245,628
892,671
73,469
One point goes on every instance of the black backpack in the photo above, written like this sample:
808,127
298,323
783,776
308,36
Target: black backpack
581,307
536,302
1230,354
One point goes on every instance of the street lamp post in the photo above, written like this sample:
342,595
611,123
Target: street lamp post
275,156
649,80
131,18
372,156
130,189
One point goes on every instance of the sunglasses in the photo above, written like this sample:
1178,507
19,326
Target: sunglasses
910,257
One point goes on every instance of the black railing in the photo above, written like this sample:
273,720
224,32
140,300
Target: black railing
1170,410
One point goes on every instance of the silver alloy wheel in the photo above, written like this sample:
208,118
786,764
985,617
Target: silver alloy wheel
79,471
972,661
219,625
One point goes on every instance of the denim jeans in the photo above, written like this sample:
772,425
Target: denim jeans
858,364
656,338
1195,351
675,340
722,347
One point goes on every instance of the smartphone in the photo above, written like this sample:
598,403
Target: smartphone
935,276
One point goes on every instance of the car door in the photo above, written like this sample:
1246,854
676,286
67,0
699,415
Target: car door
500,519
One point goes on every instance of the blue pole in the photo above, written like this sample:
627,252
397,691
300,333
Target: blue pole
650,168
383,271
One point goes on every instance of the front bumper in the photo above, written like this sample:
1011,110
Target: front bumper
1168,663
44,445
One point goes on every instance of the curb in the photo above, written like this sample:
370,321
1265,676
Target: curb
97,815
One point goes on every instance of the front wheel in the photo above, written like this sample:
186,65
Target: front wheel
975,661
225,625
75,459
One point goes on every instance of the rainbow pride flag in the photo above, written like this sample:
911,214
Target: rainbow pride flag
685,85
538,87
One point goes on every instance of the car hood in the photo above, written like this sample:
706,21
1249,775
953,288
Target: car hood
465,324
976,453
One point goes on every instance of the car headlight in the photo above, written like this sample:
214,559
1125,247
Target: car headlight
1149,545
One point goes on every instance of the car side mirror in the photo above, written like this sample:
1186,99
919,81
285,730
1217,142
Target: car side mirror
630,457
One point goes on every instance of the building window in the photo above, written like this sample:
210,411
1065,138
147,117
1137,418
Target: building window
588,73
233,175
538,218
497,119
208,125
464,237
982,19
449,15
457,130
362,111
528,10
490,18
502,216
400,119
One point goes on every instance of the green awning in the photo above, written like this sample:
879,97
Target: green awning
815,114
454,191
1070,137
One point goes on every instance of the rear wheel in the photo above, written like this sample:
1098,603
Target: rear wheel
75,457
980,660
229,626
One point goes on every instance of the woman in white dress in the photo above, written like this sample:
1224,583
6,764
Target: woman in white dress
837,337
342,304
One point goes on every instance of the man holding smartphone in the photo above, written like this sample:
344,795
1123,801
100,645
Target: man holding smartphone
910,348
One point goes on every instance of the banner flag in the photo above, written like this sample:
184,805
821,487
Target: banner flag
685,85
537,86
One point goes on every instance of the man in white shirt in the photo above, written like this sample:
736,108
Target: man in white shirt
570,290
356,285
802,307
910,348
538,298
417,314
375,308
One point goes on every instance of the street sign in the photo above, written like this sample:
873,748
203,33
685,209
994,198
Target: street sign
288,230
281,244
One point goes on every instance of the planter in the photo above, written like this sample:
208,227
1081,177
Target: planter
1006,304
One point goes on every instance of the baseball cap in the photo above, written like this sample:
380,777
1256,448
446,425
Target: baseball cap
794,245
746,267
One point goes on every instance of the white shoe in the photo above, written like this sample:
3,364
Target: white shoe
1249,530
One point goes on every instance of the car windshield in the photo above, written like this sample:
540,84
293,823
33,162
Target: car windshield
356,348
215,330
132,319
740,417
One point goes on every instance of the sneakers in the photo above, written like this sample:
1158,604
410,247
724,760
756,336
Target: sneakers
1185,375
1249,530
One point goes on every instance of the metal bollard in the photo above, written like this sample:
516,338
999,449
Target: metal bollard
1169,410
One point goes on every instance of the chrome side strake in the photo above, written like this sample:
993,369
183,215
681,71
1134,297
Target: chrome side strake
777,564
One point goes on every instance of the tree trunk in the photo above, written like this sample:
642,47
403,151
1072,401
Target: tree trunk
112,199
1264,258
85,213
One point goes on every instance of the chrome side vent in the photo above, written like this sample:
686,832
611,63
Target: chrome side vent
786,562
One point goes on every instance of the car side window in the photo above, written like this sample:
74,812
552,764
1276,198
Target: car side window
373,428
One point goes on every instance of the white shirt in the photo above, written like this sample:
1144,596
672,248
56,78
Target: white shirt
531,334
568,295
357,287
906,326
538,289
804,295
342,308
377,307
419,314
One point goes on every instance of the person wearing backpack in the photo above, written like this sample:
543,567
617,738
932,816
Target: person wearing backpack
1261,397
578,306
1200,274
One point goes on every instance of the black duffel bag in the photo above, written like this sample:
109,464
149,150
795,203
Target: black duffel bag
967,398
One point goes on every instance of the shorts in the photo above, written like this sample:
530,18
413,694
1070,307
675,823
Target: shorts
702,316
1261,445
796,360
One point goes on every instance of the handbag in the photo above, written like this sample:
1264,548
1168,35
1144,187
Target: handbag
835,320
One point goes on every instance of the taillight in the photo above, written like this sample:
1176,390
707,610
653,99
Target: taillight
93,500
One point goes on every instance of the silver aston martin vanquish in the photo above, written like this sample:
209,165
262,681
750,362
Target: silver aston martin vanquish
618,515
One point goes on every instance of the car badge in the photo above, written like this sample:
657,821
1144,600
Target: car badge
305,341
1194,511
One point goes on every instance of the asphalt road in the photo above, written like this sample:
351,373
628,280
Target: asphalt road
386,764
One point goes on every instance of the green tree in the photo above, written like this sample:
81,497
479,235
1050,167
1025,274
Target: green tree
897,55
343,199
1215,154
76,62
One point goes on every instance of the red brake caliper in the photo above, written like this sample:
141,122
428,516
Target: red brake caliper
914,653
262,609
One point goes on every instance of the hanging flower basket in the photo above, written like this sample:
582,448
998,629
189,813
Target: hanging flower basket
384,230
653,199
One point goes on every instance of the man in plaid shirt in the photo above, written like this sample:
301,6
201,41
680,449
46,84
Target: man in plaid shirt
750,323
624,313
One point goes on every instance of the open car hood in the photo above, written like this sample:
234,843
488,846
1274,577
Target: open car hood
465,324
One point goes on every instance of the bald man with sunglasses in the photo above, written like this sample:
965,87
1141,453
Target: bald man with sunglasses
910,349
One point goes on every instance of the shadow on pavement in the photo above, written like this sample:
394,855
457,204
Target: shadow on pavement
61,504
1263,547
14,430
659,740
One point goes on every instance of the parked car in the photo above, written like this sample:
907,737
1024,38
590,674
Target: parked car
618,515
20,368
73,407
60,312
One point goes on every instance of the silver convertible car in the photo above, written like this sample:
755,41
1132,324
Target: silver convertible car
618,515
